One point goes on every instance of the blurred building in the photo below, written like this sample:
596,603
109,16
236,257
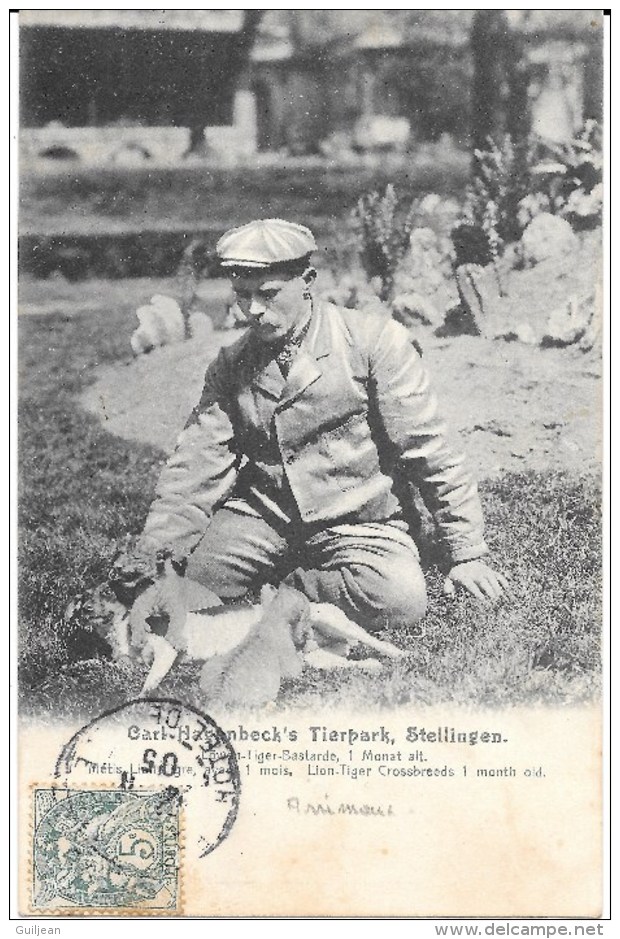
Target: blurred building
306,81
85,70
316,73
357,73
95,67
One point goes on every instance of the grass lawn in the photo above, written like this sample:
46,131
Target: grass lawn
91,201
119,222
81,489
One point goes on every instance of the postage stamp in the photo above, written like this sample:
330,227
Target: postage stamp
109,850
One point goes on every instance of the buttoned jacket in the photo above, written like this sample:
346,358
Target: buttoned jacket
355,411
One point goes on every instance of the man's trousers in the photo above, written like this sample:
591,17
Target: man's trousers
370,570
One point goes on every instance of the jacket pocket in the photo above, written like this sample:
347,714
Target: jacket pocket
350,453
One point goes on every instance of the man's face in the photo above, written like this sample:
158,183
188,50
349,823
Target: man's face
272,305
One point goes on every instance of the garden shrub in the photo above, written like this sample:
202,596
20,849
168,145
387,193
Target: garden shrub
514,181
383,225
395,258
490,217
567,179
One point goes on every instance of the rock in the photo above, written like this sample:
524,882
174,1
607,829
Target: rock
130,154
426,269
200,324
413,307
354,291
425,265
423,240
547,236
522,332
585,205
569,323
430,203
161,323
59,152
511,257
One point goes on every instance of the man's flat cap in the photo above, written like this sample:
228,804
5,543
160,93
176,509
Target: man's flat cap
265,242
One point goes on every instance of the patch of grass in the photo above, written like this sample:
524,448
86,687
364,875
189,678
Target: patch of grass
540,646
95,200
82,489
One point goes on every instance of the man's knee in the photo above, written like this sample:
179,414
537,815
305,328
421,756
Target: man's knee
218,571
406,602
236,554
215,573
396,595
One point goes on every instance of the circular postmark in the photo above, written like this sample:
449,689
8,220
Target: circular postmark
166,745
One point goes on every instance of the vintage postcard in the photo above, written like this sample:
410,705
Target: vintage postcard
310,324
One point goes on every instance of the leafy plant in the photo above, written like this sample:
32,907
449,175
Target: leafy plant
567,178
490,217
191,268
515,181
383,227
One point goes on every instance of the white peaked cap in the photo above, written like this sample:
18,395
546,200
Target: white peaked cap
265,242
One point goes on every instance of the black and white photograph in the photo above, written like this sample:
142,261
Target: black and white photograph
310,325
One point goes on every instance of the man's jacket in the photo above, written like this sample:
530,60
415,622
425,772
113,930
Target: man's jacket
355,411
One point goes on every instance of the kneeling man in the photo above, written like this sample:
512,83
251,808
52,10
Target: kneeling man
286,470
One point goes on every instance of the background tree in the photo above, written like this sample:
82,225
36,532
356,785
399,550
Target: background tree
235,67
488,39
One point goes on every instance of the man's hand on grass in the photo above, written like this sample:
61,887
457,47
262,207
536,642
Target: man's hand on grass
478,579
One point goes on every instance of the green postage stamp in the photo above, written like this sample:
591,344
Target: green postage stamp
105,850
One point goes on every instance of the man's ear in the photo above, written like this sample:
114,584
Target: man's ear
309,275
